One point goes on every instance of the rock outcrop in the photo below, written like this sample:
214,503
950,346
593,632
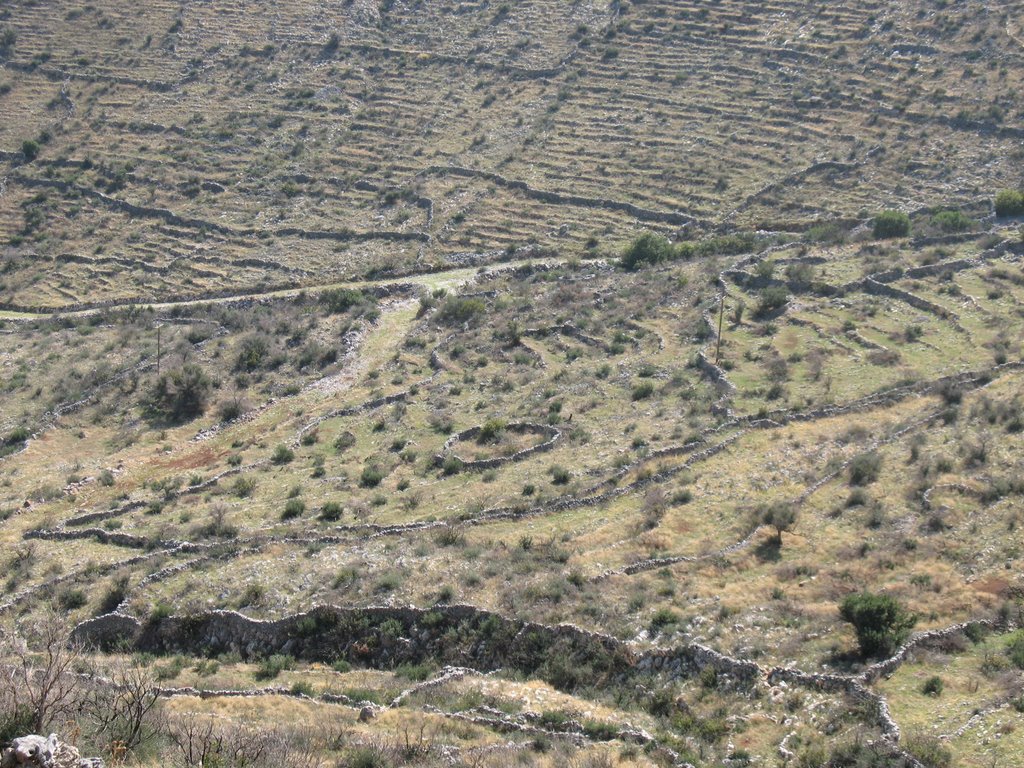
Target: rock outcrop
45,752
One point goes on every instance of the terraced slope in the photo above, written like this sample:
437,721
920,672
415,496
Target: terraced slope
203,147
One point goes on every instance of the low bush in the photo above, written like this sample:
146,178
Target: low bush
282,455
1010,202
293,508
648,248
273,666
331,511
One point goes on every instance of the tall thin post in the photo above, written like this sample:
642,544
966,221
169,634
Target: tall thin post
158,329
721,314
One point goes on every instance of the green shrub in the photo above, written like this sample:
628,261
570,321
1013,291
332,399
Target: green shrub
273,666
415,672
1015,650
928,749
599,731
880,622
69,599
642,391
889,224
648,248
282,455
17,436
30,149
253,353
864,468
243,487
340,300
371,476
344,441
367,757
771,298
952,222
1010,202
181,394
8,37
663,617
457,310
253,594
293,508
491,431
933,686
560,475
331,511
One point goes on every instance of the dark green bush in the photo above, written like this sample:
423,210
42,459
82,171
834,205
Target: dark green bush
293,508
70,598
864,468
890,224
282,455
772,298
181,394
952,222
451,465
371,476
643,390
252,353
880,622
491,431
1015,650
339,300
648,248
457,310
344,441
273,666
331,511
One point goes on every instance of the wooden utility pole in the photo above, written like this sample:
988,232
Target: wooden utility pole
721,314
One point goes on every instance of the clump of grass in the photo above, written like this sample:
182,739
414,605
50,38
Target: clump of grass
273,666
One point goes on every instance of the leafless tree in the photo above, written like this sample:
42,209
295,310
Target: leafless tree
201,741
123,706
39,666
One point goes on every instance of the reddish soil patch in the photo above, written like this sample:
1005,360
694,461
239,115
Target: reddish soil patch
993,585
204,457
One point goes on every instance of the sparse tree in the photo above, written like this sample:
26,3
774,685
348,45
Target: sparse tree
182,393
781,516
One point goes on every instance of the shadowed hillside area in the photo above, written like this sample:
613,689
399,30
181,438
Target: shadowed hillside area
528,383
